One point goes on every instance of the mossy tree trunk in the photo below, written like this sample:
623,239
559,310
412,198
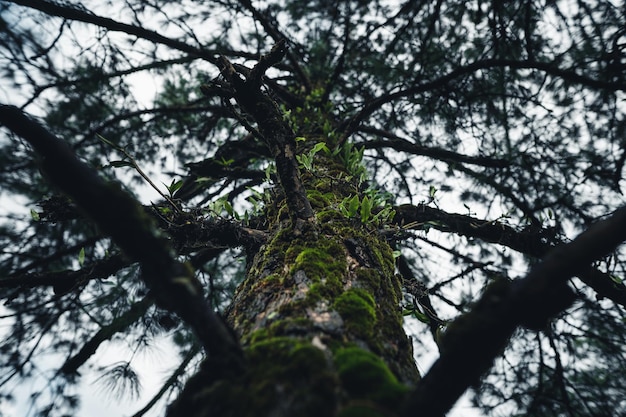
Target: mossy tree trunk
318,314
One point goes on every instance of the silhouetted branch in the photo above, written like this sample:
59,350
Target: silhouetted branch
117,214
64,82
74,13
472,342
119,324
163,110
277,36
204,174
416,217
403,145
571,76
64,281
535,244
170,382
58,254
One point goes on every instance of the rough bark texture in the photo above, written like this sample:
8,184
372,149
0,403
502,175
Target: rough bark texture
319,319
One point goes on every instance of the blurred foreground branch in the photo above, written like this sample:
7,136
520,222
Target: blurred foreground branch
117,214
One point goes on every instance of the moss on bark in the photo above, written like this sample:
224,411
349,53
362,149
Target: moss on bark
318,316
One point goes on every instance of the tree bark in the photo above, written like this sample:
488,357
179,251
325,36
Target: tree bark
318,316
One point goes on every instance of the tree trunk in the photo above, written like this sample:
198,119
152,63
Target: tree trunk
318,316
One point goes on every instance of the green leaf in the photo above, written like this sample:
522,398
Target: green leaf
200,180
34,215
81,256
353,206
229,208
165,210
118,164
366,209
306,161
108,142
217,206
318,147
327,127
225,162
300,139
174,186
269,170
420,316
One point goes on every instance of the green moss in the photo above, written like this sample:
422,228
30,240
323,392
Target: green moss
256,336
365,376
283,213
358,310
329,216
384,255
316,292
328,290
313,262
319,262
269,281
369,278
295,368
317,199
333,181
280,369
289,326
288,356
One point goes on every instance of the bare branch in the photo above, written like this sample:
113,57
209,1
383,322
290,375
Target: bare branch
73,13
275,131
64,281
537,244
473,341
278,37
119,324
400,144
571,76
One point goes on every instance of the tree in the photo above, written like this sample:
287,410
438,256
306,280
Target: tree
368,161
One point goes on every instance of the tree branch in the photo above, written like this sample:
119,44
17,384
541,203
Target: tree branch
535,244
349,126
117,214
64,281
399,144
271,30
471,343
276,132
119,324
170,382
73,13
63,82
